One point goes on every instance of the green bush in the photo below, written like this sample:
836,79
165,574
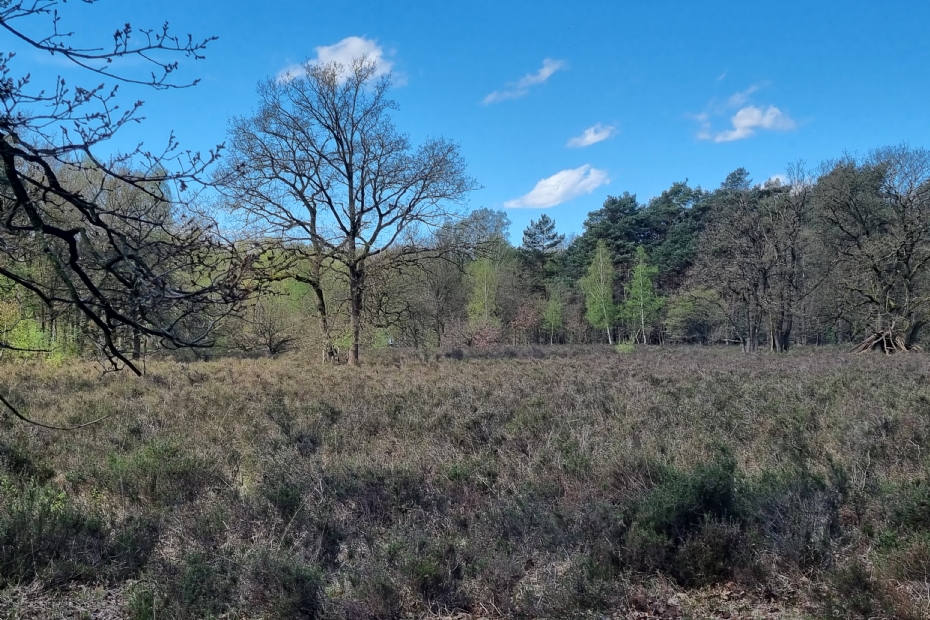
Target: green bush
436,572
44,535
688,526
910,559
161,471
206,586
684,501
17,459
712,554
854,593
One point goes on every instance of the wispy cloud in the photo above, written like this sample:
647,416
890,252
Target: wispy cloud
592,135
739,98
344,52
522,86
561,187
745,122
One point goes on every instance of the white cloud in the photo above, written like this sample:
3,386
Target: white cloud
561,187
522,86
592,135
344,52
777,180
748,119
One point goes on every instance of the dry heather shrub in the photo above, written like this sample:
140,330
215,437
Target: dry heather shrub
539,482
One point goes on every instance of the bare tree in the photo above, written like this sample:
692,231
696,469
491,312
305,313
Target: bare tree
321,163
57,195
875,218
754,254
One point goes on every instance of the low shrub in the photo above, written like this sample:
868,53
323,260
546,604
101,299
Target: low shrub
688,526
854,593
796,516
44,535
160,471
280,586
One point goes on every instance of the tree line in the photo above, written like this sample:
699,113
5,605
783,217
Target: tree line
836,255
326,228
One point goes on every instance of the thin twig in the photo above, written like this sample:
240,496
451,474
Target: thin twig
16,412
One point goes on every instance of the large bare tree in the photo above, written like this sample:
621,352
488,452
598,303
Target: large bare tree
754,254
144,265
875,218
320,163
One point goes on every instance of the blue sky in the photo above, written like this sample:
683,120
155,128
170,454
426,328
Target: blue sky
557,105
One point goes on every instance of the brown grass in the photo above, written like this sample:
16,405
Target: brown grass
538,482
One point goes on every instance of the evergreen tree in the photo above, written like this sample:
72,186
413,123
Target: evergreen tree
540,236
738,180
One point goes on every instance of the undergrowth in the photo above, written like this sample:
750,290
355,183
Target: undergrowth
529,484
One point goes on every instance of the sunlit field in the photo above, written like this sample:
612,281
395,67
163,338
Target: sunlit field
550,482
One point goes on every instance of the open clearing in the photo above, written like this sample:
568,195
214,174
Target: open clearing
549,482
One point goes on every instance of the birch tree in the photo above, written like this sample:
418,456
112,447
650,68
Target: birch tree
598,287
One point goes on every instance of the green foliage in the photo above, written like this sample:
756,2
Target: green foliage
540,236
695,316
143,601
688,525
667,227
206,585
598,287
482,303
854,594
625,347
381,339
552,316
282,585
46,535
642,307
161,471
684,501
43,534
436,573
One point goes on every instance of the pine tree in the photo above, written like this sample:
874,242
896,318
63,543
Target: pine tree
540,236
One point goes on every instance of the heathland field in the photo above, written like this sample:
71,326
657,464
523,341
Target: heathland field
558,482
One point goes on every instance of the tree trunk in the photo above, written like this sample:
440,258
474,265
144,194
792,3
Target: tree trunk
329,350
913,333
355,317
136,344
